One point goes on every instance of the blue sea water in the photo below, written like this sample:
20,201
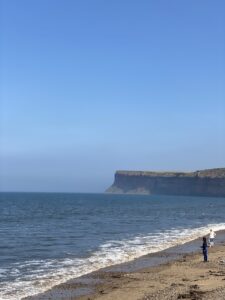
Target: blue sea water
48,238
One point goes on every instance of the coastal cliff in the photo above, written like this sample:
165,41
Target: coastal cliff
209,183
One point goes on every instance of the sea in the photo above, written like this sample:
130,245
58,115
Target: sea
49,238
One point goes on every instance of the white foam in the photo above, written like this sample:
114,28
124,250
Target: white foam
53,272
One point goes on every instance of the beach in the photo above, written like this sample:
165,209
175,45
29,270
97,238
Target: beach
90,245
176,273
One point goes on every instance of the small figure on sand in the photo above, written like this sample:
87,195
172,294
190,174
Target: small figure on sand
212,236
205,249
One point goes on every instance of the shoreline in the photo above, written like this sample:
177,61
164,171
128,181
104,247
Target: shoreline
151,274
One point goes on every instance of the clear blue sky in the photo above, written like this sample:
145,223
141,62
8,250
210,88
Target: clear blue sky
90,86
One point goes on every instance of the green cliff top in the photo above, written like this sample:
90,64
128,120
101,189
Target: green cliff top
211,173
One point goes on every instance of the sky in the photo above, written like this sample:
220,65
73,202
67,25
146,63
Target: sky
88,87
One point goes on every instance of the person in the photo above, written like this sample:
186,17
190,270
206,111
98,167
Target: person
205,249
212,235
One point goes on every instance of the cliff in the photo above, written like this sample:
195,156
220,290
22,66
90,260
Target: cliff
209,183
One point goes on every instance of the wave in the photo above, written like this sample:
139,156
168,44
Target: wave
42,275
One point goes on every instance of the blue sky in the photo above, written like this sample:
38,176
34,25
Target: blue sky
89,87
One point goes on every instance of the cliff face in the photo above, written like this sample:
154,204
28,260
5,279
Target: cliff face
209,183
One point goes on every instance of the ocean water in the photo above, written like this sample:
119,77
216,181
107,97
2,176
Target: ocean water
48,238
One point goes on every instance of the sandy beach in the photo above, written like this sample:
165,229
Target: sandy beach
175,273
187,278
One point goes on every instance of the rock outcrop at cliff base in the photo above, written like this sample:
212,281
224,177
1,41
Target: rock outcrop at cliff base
210,182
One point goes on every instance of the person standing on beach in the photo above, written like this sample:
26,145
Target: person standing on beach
205,249
212,235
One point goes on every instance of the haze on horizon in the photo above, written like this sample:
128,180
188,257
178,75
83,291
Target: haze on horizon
89,87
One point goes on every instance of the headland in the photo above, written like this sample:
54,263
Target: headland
210,183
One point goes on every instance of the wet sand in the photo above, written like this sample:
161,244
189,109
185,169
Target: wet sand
175,273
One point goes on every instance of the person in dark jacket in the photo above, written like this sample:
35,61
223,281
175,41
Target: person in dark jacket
205,249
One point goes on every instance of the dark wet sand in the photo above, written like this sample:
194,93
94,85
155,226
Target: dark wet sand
175,273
